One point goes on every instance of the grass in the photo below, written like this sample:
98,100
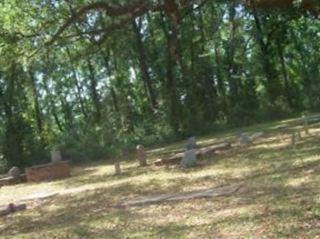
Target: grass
280,197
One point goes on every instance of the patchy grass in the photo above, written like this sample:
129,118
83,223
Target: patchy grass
280,197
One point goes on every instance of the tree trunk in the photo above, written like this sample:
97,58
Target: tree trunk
144,67
37,109
93,91
171,86
232,69
78,86
285,74
53,108
272,83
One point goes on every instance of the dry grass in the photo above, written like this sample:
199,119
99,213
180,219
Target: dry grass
280,197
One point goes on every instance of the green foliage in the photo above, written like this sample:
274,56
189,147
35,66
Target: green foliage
316,212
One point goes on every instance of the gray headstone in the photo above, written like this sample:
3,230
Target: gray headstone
189,159
293,139
305,124
141,155
191,143
299,135
14,172
244,139
117,168
296,137
55,156
257,135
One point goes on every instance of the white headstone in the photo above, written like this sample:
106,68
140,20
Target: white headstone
14,172
55,156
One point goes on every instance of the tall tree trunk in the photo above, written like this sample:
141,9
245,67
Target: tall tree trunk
232,68
171,85
37,108
285,74
304,72
68,117
219,75
272,83
53,108
13,143
94,92
78,86
144,67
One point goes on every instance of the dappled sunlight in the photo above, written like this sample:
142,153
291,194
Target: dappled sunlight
279,185
297,182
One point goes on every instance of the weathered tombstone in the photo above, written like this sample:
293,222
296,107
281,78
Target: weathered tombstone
191,143
299,135
305,124
189,159
141,155
244,139
56,156
14,172
296,136
117,167
293,140
257,135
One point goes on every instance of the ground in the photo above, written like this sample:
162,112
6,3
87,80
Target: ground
279,197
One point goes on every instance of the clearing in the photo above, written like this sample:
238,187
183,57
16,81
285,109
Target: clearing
279,195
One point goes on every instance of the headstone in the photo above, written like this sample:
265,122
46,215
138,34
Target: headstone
14,172
299,135
296,136
117,168
191,143
305,124
293,139
189,159
257,135
244,139
56,156
141,155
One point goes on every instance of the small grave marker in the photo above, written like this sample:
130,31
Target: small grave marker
117,168
191,143
56,156
189,159
14,172
141,155
244,139
305,124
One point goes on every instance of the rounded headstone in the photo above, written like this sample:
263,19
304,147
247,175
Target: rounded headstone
244,139
141,155
191,143
14,172
189,159
55,156
117,168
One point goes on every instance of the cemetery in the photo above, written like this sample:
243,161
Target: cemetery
198,178
160,119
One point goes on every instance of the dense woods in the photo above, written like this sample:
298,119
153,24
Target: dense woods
95,78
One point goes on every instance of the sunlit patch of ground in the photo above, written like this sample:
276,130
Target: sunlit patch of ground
279,198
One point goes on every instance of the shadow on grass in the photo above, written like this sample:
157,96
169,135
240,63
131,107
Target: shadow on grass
282,209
